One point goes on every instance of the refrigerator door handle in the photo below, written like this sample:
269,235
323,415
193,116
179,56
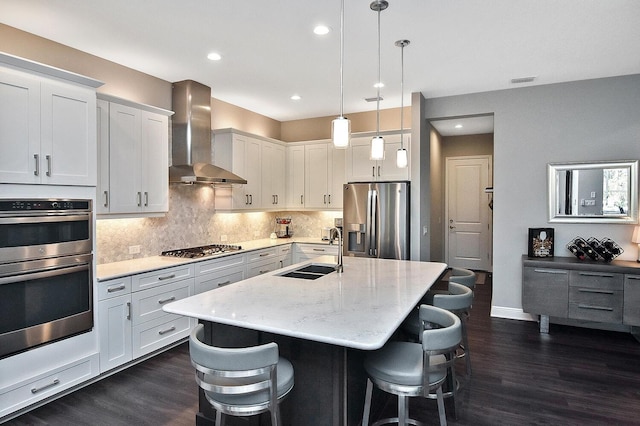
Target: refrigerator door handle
373,223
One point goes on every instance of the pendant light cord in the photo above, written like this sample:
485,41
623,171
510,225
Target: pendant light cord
342,59
379,82
402,96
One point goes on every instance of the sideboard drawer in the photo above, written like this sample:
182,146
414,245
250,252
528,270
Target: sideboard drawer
593,304
597,280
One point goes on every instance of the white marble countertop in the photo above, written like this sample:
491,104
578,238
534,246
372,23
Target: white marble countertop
360,308
113,270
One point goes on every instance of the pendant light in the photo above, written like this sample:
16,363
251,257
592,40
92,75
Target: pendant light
377,143
341,126
401,155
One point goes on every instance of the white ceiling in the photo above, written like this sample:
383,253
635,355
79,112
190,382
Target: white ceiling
269,51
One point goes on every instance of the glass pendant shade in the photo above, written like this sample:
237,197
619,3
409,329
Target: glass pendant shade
377,148
401,158
341,132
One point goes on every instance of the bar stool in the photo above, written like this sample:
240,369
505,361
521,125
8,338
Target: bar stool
463,276
409,369
241,381
457,300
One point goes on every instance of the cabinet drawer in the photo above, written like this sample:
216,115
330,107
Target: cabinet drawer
596,280
220,279
545,291
284,250
215,265
259,255
160,277
260,268
631,315
594,304
313,250
113,288
156,334
147,304
29,392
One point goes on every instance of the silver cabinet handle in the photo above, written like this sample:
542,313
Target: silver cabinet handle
139,199
318,249
264,271
264,254
373,171
378,171
118,288
128,310
594,290
224,283
41,388
48,158
166,277
633,277
597,308
168,299
325,199
36,172
329,198
146,199
106,198
595,274
246,201
301,199
550,271
168,330
250,199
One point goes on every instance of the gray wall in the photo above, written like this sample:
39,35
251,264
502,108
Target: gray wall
577,121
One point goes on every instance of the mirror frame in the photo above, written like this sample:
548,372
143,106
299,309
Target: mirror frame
552,185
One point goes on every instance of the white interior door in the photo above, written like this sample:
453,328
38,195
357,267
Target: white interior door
468,217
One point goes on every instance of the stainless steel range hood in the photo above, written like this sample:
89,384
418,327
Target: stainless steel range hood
191,146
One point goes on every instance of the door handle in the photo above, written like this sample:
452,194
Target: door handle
36,172
48,157
106,198
139,199
452,227
146,199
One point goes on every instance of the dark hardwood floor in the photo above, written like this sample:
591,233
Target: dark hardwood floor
573,376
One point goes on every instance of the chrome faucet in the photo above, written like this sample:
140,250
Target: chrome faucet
339,266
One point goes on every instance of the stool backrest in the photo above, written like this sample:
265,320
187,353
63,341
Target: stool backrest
463,276
445,332
233,371
460,298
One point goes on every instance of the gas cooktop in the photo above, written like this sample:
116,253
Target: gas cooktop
202,251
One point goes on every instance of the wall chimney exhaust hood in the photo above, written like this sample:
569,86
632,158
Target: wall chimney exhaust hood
191,146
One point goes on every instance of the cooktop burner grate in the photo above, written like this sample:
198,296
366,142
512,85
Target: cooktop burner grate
202,251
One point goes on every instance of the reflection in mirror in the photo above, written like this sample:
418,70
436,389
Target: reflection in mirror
601,192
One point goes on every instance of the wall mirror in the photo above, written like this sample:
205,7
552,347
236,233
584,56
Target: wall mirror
596,192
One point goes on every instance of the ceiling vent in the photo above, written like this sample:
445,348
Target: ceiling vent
374,99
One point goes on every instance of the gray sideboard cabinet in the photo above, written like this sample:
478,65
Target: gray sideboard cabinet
587,292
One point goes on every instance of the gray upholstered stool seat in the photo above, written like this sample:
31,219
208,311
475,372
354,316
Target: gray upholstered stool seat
241,381
409,369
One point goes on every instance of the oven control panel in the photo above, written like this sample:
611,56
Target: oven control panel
7,206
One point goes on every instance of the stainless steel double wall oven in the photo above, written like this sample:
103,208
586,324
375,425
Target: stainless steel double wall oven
46,271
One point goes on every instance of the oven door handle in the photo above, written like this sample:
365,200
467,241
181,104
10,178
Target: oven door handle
49,217
48,272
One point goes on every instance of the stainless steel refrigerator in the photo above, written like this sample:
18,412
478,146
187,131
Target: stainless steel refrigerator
376,220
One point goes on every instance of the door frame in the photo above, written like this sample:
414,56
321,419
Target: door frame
489,194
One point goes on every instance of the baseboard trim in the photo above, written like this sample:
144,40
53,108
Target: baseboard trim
511,313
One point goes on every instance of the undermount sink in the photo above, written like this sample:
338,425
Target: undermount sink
309,272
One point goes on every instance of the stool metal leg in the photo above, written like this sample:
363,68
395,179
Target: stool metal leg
367,403
465,345
440,399
402,410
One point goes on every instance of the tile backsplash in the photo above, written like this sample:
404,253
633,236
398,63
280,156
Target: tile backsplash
193,221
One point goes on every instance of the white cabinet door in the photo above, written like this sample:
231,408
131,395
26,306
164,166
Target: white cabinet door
295,176
336,173
316,175
114,321
102,188
388,170
68,134
155,162
273,175
125,158
19,127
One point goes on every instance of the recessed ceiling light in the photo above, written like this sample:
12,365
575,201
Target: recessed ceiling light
295,97
321,30
381,85
458,126
213,56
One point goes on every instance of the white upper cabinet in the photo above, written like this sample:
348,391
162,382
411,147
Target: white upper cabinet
295,176
324,175
260,161
134,158
47,130
361,169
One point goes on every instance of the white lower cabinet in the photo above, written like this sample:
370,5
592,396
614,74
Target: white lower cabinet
262,261
309,251
215,273
131,321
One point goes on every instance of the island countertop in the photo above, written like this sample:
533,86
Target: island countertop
359,308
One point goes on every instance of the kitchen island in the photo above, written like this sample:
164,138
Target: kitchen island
324,326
